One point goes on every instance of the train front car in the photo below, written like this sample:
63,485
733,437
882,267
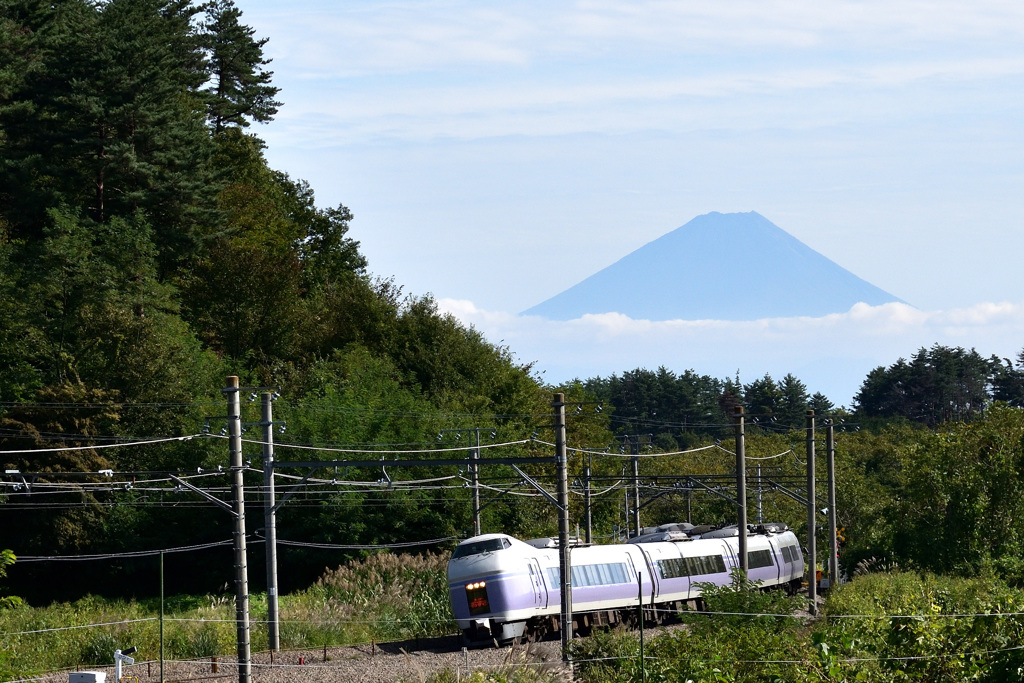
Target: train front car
495,586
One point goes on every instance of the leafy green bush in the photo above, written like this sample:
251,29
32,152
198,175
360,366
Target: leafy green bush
7,558
607,655
876,629
910,626
741,601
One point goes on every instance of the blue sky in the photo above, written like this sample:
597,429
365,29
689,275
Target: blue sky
497,153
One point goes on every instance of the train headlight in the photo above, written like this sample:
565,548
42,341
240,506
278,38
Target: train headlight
476,595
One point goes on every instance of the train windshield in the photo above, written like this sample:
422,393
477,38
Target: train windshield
478,547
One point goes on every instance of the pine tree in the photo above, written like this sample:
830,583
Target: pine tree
107,120
793,402
240,89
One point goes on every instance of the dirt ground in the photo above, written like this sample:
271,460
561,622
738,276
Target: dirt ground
413,661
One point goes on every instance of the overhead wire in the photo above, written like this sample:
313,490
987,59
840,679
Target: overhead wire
748,457
326,449
129,554
375,546
147,442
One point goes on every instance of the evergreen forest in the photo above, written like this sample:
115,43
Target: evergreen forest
148,251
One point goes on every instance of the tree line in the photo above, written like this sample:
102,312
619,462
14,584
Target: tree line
936,385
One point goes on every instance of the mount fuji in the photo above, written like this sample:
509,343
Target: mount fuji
732,266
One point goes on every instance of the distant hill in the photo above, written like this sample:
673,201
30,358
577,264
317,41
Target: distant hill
732,266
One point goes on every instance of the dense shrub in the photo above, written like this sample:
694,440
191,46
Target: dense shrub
878,628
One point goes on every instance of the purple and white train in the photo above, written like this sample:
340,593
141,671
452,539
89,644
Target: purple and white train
502,588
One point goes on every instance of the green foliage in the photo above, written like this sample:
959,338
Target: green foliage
939,384
687,409
147,249
7,558
688,402
608,655
905,633
408,595
960,492
19,339
741,601
240,90
877,628
105,119
193,640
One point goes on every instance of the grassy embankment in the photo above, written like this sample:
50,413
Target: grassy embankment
384,597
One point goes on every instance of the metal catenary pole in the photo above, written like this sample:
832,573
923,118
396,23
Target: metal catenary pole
741,491
564,560
833,560
238,507
812,550
270,519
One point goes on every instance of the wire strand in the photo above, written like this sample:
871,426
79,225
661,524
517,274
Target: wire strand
109,445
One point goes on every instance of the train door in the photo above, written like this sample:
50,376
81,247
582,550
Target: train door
540,594
655,578
775,547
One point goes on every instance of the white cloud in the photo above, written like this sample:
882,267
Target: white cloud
365,72
356,39
831,354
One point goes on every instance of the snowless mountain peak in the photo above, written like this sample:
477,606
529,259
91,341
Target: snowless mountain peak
720,266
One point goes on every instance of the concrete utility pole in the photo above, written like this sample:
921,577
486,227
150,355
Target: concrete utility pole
760,502
564,562
238,506
812,550
636,487
270,519
586,503
833,560
474,472
741,490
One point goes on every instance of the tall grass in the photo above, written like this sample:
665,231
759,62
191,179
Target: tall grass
382,597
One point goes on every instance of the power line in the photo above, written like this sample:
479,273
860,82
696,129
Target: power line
69,628
99,446
380,452
114,556
378,546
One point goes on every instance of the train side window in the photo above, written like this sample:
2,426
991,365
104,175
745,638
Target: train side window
706,564
759,558
591,575
673,568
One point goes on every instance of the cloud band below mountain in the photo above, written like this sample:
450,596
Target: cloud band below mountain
831,354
